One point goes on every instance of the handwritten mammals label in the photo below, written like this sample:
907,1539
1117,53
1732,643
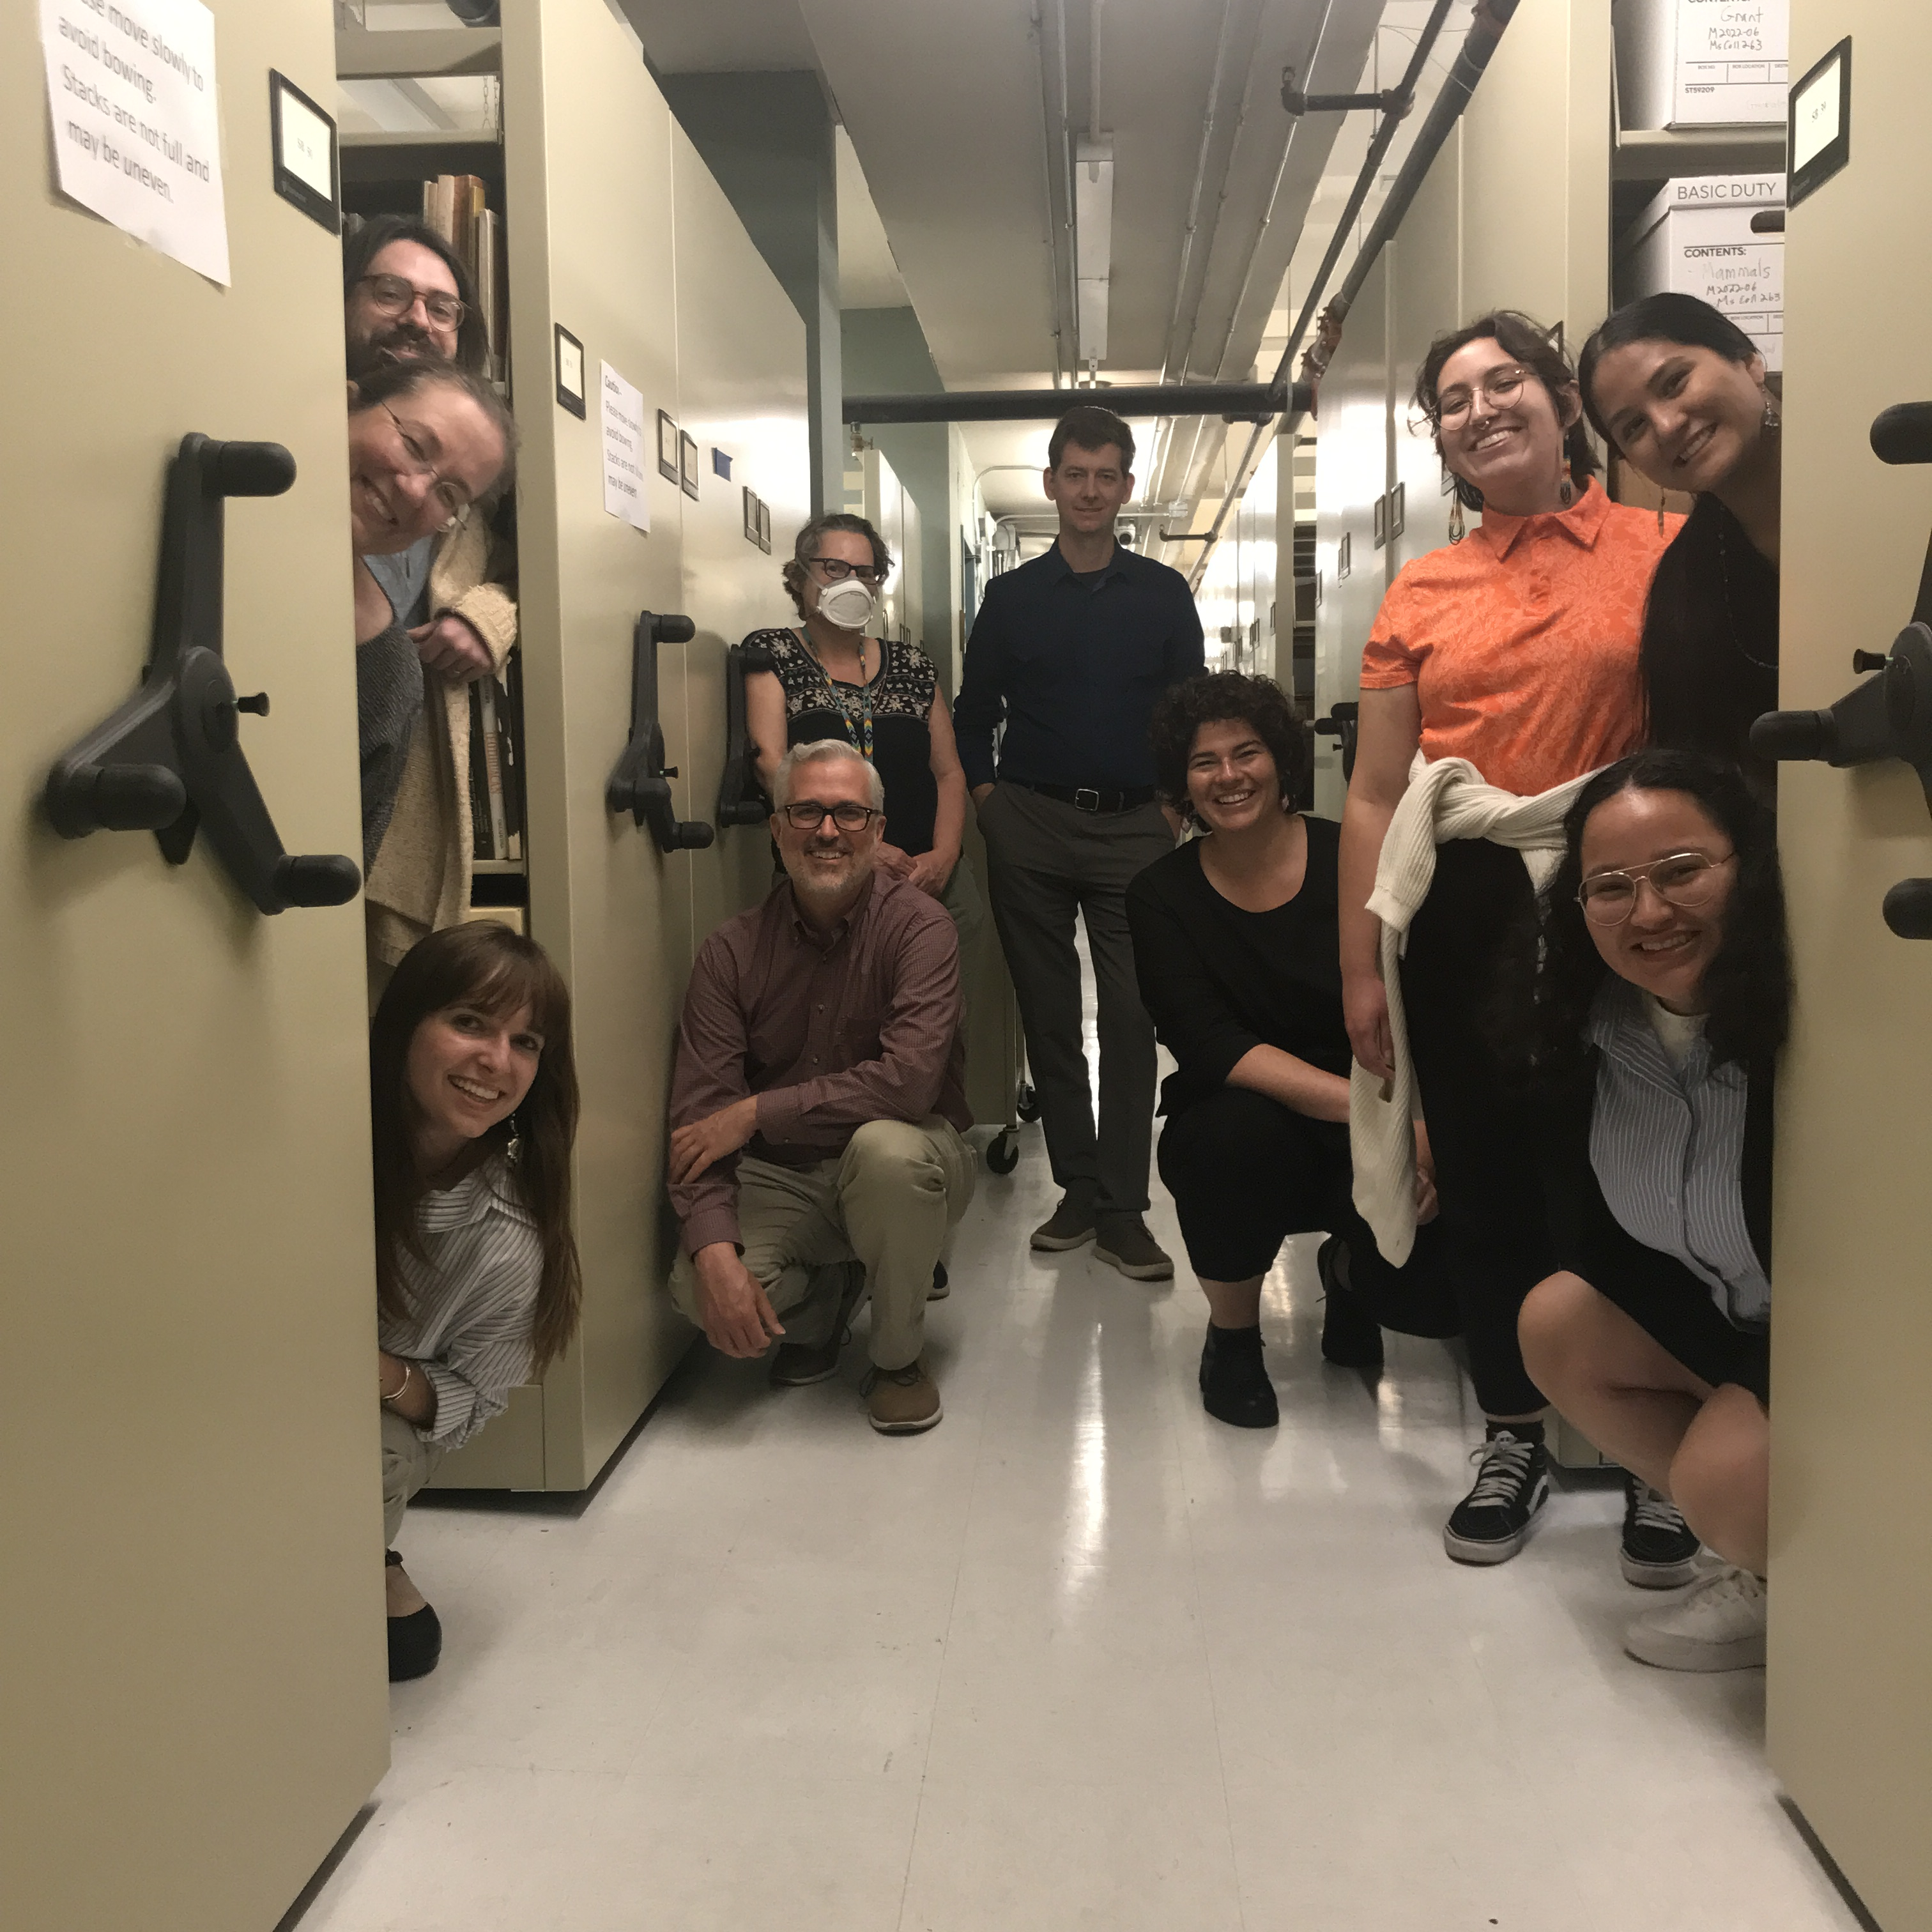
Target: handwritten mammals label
136,131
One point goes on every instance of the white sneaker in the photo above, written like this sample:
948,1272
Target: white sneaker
1717,1624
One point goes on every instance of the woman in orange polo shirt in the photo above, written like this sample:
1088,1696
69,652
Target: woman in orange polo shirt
1515,650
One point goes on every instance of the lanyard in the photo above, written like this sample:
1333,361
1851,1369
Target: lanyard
862,716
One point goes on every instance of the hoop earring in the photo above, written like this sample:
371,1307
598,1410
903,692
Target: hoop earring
1457,530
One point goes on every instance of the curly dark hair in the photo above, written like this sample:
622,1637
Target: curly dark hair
1210,698
1538,349
360,249
1553,971
805,548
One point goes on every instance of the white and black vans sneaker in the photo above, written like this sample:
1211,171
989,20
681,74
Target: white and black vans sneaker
1719,1625
1659,1549
1493,1522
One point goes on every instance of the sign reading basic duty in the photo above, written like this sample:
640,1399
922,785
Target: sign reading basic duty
624,450
136,130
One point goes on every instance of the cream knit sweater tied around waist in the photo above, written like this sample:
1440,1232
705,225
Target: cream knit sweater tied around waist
1445,800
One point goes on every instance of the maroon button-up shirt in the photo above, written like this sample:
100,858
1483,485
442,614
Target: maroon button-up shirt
830,1030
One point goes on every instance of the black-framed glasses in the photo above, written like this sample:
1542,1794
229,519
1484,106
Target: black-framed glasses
450,496
1685,879
807,814
837,570
1498,387
395,294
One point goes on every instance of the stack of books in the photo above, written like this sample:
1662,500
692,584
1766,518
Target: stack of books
454,206
496,765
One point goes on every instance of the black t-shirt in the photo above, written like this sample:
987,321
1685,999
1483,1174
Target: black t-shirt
900,694
1219,981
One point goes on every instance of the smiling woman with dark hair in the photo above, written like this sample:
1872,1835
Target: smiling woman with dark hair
1661,1000
1680,390
1508,660
1234,949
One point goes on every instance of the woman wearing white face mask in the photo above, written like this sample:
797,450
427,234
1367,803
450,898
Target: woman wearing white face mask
829,679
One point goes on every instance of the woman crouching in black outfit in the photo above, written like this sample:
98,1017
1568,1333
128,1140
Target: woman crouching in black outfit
1235,944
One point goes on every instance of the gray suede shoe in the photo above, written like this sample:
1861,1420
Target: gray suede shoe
1070,1225
1123,1242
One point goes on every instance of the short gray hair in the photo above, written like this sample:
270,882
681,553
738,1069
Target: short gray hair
822,751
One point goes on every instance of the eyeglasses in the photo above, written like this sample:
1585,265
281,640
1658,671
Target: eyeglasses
807,814
450,495
1499,388
837,570
1684,879
392,295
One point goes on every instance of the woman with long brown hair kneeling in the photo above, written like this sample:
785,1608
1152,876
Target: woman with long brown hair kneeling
473,1096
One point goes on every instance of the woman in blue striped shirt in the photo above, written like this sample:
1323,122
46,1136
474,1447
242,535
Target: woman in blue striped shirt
1660,1002
473,1096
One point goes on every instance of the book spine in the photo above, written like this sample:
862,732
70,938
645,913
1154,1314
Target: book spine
486,288
493,769
480,827
510,749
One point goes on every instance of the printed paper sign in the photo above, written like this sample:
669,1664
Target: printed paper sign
136,131
624,450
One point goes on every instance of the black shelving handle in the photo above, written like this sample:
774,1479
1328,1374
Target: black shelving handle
741,799
639,783
170,759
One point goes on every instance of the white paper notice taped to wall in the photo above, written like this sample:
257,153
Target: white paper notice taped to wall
624,450
136,131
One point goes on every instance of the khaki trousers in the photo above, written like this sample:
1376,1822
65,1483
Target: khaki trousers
408,1463
886,1202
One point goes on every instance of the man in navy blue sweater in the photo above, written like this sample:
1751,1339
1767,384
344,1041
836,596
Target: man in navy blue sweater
1070,651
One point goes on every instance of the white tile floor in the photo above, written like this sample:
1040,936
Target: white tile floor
1082,1657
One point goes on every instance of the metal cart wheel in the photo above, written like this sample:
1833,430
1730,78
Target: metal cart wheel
1002,1156
1026,1102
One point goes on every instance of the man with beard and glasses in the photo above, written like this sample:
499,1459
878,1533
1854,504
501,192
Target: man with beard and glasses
821,1037
407,297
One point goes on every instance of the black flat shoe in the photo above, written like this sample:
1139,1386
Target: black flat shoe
1235,1385
415,1641
1352,1338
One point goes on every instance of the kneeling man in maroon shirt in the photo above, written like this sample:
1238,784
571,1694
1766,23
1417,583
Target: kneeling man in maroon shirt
819,1101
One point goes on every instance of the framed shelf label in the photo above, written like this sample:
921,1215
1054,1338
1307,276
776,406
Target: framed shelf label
569,371
308,173
1820,128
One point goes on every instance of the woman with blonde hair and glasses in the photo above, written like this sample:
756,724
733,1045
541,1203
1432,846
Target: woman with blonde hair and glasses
1502,671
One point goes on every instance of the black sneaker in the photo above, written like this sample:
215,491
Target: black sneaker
1493,1522
1235,1385
1659,1548
1352,1338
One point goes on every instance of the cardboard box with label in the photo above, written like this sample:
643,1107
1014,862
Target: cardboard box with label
1702,63
1696,238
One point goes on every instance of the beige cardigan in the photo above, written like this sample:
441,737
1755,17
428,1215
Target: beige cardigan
420,881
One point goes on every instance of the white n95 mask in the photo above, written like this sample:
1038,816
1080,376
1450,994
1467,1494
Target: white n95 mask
847,603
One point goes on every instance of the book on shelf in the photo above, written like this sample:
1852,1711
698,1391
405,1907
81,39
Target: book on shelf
457,206
495,774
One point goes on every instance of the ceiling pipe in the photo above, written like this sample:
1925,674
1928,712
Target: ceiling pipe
1046,183
1236,402
1485,29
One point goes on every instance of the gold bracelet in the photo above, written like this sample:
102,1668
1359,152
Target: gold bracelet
402,1389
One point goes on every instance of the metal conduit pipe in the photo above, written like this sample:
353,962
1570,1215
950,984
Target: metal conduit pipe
1428,141
1239,402
1492,15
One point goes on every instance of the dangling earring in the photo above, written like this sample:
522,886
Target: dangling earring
1773,420
1566,493
1457,531
1659,517
514,1147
